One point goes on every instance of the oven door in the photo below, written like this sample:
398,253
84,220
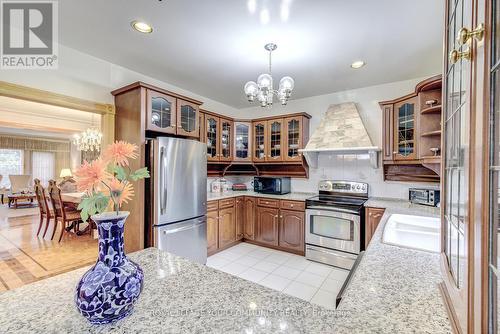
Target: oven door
337,229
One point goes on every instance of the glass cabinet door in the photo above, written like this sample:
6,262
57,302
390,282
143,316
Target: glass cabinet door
161,115
274,140
187,119
259,142
225,140
293,138
404,118
211,137
242,140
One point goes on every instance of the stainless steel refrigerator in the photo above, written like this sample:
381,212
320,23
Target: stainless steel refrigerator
178,189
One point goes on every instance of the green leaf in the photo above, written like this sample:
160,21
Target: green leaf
141,173
93,204
120,173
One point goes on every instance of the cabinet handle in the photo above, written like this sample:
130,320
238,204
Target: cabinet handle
456,55
291,205
465,34
394,152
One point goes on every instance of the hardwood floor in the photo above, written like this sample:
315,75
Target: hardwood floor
26,258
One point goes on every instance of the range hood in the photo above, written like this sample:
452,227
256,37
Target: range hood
341,131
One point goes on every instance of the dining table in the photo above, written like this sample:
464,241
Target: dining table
75,198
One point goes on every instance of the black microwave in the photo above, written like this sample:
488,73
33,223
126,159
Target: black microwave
272,185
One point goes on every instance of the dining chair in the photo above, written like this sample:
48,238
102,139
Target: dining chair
43,204
61,213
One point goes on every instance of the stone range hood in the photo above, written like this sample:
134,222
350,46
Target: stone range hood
340,132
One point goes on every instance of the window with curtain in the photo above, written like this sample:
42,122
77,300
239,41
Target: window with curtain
43,166
11,163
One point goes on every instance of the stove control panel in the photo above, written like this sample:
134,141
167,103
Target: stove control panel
343,187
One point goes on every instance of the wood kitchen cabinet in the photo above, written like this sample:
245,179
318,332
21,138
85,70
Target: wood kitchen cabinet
259,141
291,230
212,231
249,221
281,224
274,140
267,226
242,142
218,137
372,219
411,134
170,115
227,227
240,217
146,111
295,137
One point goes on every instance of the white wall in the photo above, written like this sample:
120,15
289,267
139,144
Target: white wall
349,167
84,76
87,77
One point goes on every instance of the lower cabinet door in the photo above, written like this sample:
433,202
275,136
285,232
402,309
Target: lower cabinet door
249,221
227,227
291,231
240,217
373,217
267,225
212,231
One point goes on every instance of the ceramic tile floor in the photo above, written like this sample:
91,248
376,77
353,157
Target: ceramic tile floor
285,272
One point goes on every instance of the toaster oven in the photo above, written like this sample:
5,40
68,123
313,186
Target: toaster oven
422,196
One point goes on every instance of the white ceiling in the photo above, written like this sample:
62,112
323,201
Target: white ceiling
212,47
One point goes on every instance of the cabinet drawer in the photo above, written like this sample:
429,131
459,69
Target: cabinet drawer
226,203
267,202
293,205
212,205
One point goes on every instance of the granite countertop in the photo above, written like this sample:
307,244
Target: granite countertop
179,296
395,289
293,196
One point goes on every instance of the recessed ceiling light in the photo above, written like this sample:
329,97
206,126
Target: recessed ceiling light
142,27
358,64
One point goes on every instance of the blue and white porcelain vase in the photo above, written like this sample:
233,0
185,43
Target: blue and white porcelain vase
107,291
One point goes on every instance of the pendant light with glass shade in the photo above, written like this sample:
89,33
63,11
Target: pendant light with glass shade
263,90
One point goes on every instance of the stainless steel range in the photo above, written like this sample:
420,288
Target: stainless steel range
335,223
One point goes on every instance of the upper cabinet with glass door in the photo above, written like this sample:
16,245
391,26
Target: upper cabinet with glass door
295,137
226,138
172,115
275,140
259,141
212,130
187,118
161,112
405,121
242,141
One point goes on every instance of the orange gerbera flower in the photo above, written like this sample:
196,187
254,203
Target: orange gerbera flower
121,192
119,152
90,175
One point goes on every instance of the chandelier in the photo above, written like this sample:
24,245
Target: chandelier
263,89
88,140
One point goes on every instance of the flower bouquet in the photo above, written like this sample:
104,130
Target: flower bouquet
108,290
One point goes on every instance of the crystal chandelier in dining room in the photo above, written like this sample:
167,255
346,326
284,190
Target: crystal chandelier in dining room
88,140
263,89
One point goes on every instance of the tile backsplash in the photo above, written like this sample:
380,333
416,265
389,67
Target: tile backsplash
344,167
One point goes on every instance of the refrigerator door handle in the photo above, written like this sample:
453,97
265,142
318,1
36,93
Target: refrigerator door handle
184,228
163,197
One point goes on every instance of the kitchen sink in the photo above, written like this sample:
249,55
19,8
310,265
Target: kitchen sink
417,232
